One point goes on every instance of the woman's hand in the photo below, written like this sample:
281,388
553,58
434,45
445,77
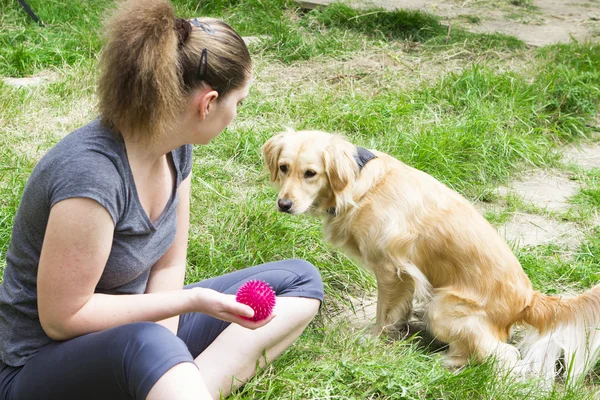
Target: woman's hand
226,308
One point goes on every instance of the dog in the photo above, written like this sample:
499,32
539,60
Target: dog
424,241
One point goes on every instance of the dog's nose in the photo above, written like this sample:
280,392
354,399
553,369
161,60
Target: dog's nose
284,204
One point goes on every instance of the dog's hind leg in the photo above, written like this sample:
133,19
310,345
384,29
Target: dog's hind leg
463,324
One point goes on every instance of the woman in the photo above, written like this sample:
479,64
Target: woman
92,305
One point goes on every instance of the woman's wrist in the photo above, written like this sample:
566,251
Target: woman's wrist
199,299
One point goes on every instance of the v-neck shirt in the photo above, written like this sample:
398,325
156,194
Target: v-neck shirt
92,163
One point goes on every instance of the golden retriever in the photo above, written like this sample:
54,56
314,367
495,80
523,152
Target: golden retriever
423,240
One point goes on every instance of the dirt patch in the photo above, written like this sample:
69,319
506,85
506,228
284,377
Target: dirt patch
42,78
586,157
544,189
545,21
536,22
524,230
359,315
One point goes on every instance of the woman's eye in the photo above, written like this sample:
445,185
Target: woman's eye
240,103
309,174
283,168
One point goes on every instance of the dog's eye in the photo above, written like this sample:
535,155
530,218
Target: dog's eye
283,168
309,173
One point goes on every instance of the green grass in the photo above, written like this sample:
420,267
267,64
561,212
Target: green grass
587,201
451,103
331,364
14,170
69,35
552,274
70,31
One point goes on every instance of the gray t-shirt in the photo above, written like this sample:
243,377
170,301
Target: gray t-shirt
90,162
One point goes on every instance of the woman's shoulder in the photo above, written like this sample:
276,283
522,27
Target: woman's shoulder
94,145
86,163
93,137
87,159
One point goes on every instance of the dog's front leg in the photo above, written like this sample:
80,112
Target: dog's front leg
394,300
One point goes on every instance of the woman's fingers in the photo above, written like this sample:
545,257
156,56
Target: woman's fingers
231,306
226,308
254,324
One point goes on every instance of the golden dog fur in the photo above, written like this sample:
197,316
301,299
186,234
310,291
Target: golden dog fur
423,240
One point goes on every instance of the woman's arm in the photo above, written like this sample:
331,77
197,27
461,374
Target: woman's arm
169,271
76,247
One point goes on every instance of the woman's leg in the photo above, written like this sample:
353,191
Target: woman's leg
144,360
232,358
227,355
182,382
125,362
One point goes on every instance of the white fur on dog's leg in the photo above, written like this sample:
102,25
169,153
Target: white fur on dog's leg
369,334
453,357
374,330
454,361
507,357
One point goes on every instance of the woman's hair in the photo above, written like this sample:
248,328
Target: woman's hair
152,61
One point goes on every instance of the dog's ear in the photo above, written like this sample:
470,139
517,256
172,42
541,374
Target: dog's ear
270,151
340,166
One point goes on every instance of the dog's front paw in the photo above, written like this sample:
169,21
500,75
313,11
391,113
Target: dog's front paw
369,334
375,329
454,362
391,332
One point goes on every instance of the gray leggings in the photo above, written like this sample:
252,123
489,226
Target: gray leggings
126,361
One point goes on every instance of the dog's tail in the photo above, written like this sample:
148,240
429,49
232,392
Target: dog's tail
562,326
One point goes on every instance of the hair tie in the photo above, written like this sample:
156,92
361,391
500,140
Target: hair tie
183,30
204,26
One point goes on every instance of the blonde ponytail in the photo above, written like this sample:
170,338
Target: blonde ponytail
140,89
151,63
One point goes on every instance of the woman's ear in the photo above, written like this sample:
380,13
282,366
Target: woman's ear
340,166
205,101
271,151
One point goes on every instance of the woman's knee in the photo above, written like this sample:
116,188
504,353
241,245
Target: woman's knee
308,271
149,337
307,280
145,350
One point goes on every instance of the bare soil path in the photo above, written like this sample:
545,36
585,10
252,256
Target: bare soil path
536,22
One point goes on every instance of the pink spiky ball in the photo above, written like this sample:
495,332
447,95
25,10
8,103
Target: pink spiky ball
259,296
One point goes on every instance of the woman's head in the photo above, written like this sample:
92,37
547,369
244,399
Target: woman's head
152,63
